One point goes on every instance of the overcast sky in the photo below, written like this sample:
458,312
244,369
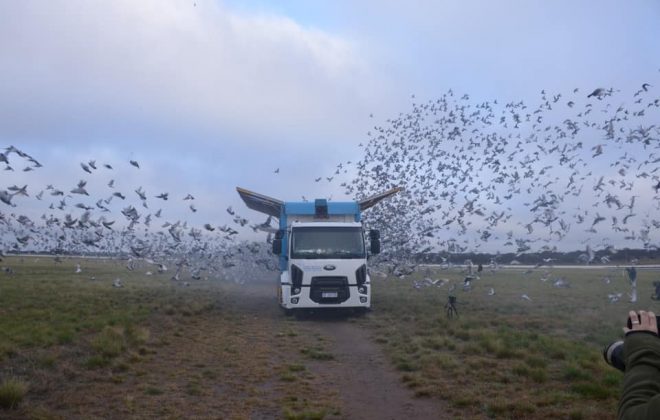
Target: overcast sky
210,95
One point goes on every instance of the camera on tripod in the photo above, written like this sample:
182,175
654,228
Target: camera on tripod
613,353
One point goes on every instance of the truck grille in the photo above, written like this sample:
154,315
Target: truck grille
329,289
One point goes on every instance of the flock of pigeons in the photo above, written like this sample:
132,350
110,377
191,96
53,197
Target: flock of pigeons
545,275
75,223
521,176
515,177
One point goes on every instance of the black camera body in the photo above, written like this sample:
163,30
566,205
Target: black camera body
613,355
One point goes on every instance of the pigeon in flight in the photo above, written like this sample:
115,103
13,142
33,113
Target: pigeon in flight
598,93
80,189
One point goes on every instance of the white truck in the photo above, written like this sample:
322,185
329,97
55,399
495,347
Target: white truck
322,250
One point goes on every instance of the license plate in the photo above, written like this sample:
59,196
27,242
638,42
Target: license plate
329,294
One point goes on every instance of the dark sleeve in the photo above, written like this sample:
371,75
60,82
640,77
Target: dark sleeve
640,398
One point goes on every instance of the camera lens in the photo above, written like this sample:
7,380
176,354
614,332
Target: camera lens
613,355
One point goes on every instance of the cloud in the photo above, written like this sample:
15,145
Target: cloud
96,70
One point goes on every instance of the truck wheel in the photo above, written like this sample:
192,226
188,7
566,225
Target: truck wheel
287,311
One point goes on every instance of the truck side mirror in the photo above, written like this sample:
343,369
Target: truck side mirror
374,238
277,246
277,242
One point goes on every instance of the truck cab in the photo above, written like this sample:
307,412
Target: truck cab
322,251
326,266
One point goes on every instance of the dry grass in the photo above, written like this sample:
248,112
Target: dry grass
12,391
156,349
546,353
152,349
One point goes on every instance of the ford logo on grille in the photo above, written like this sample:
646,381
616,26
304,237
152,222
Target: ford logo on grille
329,267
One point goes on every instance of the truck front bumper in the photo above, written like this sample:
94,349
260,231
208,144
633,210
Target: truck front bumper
308,297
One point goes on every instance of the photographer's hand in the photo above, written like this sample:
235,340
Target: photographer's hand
640,397
644,322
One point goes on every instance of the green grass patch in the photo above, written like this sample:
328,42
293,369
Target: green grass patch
305,415
316,353
12,392
505,346
111,342
296,368
592,390
153,390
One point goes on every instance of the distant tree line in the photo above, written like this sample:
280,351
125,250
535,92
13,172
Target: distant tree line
621,257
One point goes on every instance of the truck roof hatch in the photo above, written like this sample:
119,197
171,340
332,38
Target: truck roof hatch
375,199
260,202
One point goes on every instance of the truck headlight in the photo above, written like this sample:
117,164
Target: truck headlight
362,289
296,290
294,300
363,299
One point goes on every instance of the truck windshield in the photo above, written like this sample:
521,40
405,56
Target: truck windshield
327,242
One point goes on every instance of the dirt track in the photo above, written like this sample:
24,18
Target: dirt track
367,385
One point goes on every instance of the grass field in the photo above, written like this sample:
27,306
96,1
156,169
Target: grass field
505,356
75,347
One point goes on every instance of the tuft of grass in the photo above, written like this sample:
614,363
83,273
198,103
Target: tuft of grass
137,336
613,378
538,375
591,390
536,362
47,361
407,366
497,408
12,392
305,415
111,342
316,353
288,377
296,368
506,352
194,389
576,415
521,370
574,373
152,390
7,350
65,336
97,361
